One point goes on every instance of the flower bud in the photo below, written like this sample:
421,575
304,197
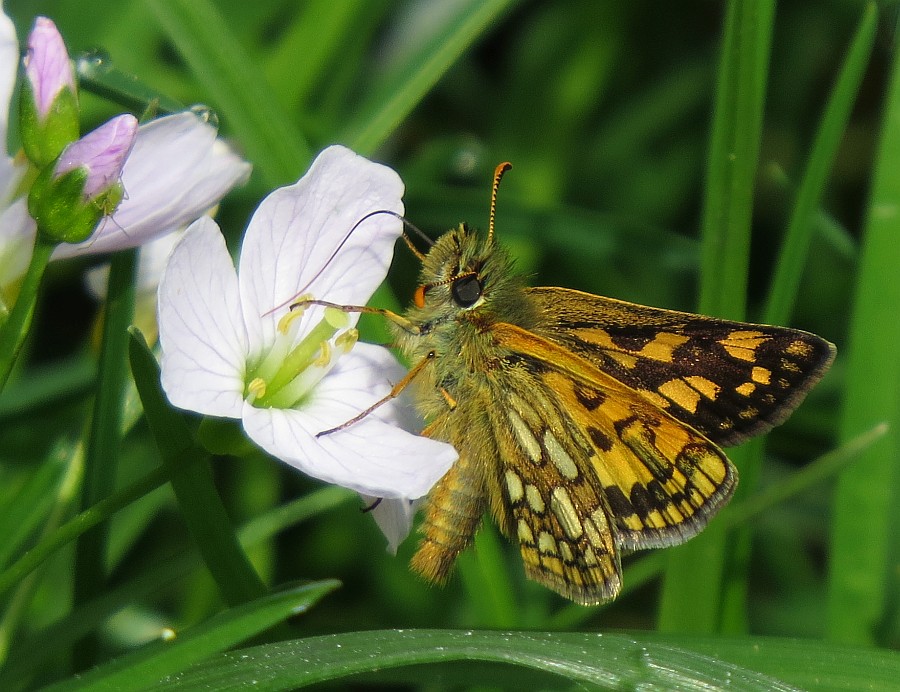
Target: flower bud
72,196
48,109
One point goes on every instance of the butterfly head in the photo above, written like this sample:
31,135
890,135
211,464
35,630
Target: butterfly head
466,274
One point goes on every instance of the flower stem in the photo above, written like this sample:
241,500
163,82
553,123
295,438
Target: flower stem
15,329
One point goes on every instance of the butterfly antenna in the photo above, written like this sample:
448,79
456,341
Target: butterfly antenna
498,175
344,241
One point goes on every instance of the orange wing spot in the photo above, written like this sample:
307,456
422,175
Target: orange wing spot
655,398
742,344
706,387
746,389
662,348
801,349
681,393
761,375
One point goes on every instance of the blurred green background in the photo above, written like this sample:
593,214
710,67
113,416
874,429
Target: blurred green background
607,112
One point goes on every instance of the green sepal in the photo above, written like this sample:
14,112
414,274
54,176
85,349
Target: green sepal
58,206
224,436
44,139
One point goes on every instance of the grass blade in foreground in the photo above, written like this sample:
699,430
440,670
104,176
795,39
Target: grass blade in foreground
199,502
605,661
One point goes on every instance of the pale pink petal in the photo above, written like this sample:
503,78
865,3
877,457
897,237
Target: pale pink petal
9,67
201,333
47,65
17,233
102,152
393,517
177,171
291,240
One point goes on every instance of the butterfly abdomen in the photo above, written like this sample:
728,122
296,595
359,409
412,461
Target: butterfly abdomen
453,512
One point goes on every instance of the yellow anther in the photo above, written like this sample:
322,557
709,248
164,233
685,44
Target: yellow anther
346,340
324,356
284,324
256,389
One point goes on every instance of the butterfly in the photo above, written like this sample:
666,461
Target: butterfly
586,426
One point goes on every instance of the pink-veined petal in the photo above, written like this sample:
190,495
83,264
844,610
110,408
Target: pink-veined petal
371,456
202,335
102,152
47,65
177,171
295,232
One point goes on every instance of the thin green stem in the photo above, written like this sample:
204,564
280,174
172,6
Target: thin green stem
102,454
15,329
76,526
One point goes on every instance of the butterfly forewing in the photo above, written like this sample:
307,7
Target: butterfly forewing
728,380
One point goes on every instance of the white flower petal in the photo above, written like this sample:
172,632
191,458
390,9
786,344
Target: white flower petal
9,66
375,459
394,518
17,231
176,171
204,343
296,230
371,456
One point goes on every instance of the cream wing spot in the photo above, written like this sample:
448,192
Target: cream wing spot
535,500
565,512
525,437
514,486
560,457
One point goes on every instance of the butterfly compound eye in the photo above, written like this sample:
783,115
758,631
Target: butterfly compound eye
466,290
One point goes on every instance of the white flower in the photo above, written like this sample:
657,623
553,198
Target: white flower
232,348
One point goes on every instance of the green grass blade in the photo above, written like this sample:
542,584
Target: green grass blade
29,655
862,579
786,282
236,87
691,597
792,258
155,662
199,502
403,88
76,526
548,661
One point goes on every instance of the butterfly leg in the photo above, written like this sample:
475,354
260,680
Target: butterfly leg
389,315
393,394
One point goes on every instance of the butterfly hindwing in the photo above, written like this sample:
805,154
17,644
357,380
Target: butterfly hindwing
589,467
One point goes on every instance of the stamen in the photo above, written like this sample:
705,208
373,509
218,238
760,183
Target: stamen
336,318
347,340
256,389
284,324
324,357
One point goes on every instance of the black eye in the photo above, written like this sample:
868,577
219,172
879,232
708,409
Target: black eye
466,290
